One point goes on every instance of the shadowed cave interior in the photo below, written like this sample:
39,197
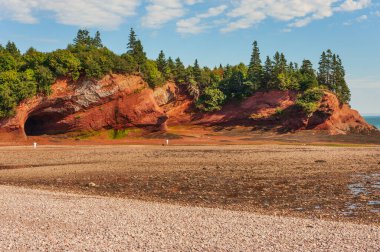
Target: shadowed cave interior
39,124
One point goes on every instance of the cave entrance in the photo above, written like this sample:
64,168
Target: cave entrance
44,124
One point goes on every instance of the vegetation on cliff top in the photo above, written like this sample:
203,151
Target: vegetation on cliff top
26,75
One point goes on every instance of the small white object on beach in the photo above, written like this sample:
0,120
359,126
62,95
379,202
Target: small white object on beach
167,141
35,145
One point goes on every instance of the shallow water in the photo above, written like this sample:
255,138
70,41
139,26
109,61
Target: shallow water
366,189
374,120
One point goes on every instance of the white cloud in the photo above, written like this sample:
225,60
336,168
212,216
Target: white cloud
85,13
232,14
193,25
362,18
191,2
160,12
359,19
298,13
351,5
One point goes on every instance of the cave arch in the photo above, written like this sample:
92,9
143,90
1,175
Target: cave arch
38,124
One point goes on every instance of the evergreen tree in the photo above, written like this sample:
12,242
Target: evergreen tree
308,77
268,73
338,81
162,65
97,41
179,71
12,49
283,67
197,72
83,38
139,55
255,70
329,61
171,68
136,50
161,62
132,41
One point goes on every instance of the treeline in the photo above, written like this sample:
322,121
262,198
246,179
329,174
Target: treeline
26,75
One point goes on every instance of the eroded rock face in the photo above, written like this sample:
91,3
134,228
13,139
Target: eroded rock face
119,102
116,102
337,118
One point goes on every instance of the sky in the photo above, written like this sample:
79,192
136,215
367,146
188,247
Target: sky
214,31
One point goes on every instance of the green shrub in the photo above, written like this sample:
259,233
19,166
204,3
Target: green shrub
309,100
64,63
151,74
212,99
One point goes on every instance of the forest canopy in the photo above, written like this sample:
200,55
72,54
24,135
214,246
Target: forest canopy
32,73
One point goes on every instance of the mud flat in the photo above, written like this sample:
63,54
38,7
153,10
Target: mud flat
315,182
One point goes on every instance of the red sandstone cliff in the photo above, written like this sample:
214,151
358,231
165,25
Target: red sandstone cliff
119,101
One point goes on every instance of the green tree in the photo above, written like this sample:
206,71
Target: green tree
212,99
83,38
12,49
33,58
235,86
64,63
132,41
338,82
152,75
179,72
171,68
162,65
268,74
255,70
7,61
197,72
308,77
7,100
45,78
97,41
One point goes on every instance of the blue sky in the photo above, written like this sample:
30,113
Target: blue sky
214,31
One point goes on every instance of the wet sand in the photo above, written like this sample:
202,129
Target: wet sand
314,182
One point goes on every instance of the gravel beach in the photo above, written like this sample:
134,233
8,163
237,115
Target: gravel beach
48,221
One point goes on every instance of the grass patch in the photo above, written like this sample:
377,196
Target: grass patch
118,134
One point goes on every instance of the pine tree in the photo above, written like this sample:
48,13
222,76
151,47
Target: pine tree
83,38
283,64
268,73
139,55
12,49
179,72
329,61
197,72
132,41
136,50
97,41
308,78
162,64
276,63
171,68
255,70
338,81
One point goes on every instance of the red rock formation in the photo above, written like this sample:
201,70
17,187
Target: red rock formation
337,118
118,102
